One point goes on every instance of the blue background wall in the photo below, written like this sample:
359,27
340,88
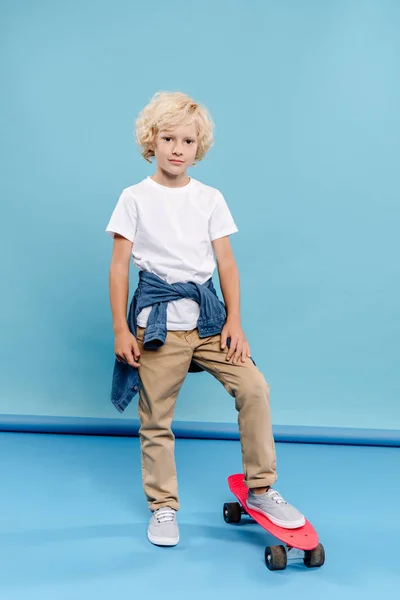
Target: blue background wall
305,97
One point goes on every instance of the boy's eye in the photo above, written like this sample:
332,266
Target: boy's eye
168,138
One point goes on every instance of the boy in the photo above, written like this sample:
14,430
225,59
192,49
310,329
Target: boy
172,224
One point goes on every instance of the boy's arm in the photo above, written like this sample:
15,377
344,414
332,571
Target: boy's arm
230,286
228,273
119,282
125,346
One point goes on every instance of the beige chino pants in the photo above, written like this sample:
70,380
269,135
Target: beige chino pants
162,373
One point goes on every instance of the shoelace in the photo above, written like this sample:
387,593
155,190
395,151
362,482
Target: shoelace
276,497
165,515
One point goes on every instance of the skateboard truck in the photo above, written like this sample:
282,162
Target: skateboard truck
277,557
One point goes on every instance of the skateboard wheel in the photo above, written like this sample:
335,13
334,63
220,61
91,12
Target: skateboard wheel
275,558
314,558
232,512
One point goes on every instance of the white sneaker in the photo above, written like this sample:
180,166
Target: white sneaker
272,505
163,527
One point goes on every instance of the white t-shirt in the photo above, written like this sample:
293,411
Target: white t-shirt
172,230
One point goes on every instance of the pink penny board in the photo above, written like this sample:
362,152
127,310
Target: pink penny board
303,538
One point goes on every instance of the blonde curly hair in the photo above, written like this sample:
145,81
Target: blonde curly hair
167,110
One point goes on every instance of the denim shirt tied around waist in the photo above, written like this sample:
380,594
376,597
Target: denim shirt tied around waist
155,292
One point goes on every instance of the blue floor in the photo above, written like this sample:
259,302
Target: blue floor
74,520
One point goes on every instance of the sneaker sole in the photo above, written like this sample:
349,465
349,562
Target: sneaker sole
275,521
162,541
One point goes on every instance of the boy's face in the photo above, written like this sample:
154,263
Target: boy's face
179,144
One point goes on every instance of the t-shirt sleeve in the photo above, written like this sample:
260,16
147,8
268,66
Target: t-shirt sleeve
221,220
124,217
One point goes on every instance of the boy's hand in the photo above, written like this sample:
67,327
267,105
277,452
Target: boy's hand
239,346
126,348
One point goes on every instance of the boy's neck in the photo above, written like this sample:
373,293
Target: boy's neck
170,180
